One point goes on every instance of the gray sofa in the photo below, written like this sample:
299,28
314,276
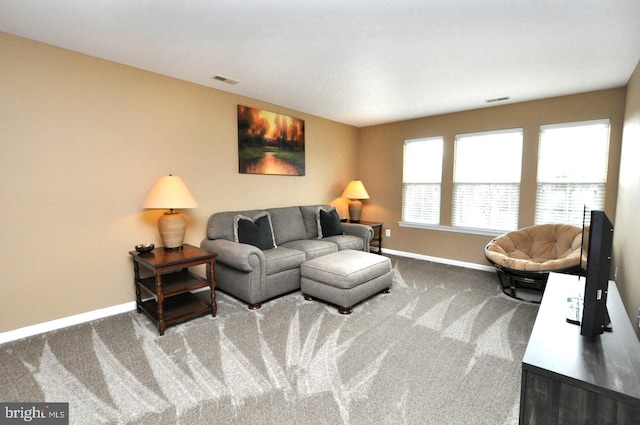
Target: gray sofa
255,275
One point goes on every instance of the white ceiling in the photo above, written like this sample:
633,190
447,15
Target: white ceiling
360,62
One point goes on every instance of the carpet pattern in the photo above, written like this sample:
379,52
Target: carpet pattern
443,347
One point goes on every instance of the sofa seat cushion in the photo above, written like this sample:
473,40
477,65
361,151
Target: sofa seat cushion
346,269
281,258
313,248
346,242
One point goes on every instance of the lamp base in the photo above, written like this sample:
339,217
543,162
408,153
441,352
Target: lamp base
172,226
355,208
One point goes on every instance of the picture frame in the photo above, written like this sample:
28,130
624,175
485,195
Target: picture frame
270,143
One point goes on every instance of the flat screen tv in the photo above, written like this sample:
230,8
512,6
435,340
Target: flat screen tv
595,319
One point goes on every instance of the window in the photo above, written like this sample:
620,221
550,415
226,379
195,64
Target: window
486,180
421,180
572,170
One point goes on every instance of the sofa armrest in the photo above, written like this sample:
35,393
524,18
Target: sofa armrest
234,254
360,230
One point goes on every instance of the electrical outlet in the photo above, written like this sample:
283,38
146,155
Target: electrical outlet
387,233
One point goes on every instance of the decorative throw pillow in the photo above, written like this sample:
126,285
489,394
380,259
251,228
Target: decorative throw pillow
329,223
256,231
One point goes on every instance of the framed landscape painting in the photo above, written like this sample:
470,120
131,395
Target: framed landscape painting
270,143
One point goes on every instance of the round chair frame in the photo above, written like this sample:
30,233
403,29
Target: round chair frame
524,258
535,281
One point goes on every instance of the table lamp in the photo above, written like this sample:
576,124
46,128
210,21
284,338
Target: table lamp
170,192
355,191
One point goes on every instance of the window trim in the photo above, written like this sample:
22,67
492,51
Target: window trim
448,170
600,121
431,139
451,229
519,131
605,122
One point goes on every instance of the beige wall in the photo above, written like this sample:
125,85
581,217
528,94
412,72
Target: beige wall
626,240
380,166
81,142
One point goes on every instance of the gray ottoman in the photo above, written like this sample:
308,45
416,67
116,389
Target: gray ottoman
345,278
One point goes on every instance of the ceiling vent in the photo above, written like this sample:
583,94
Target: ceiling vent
225,80
497,99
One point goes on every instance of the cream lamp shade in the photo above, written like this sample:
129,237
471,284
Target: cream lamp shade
170,192
355,191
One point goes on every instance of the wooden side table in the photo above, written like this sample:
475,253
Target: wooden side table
376,241
172,284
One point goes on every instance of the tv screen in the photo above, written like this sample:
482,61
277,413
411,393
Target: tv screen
595,319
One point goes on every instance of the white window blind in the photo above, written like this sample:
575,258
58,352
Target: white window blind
486,180
572,170
422,175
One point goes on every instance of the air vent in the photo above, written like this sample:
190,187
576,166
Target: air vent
225,80
497,99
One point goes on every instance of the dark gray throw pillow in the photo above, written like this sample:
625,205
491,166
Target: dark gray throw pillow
330,223
256,231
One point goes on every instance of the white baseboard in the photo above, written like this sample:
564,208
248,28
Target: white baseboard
439,260
66,321
130,306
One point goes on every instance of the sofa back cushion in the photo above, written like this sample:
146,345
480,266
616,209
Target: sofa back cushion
310,217
288,224
220,225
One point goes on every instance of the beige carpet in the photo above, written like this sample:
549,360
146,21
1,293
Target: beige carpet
444,347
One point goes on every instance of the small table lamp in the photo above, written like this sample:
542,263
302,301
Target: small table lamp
170,192
355,191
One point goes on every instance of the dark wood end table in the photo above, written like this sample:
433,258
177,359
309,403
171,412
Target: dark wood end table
172,284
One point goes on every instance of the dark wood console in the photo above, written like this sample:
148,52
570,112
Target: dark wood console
571,379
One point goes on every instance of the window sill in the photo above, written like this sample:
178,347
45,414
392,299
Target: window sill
440,228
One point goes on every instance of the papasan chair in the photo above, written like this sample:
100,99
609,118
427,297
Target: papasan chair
523,258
